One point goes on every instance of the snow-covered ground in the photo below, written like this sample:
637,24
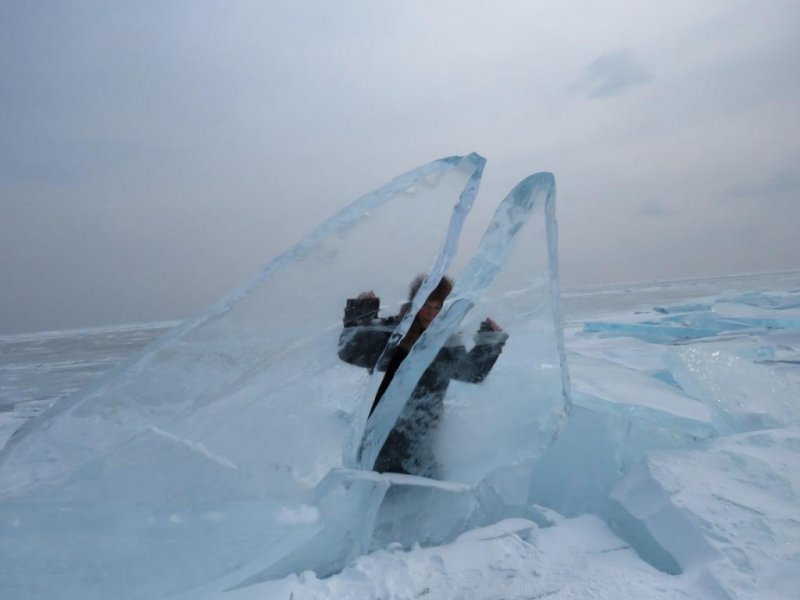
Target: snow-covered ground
514,560
677,474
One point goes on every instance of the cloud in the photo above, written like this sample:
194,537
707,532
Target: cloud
611,73
782,182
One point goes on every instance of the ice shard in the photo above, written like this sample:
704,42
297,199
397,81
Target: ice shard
265,356
222,432
515,412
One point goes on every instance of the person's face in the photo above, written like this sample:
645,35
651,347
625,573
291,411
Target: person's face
428,313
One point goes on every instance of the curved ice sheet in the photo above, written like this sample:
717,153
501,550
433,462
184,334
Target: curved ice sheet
255,374
515,412
514,415
221,433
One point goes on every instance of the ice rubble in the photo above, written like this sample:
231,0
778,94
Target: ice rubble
651,447
728,513
235,474
710,489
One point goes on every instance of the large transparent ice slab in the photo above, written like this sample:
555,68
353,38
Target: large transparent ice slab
513,415
512,279
241,412
264,359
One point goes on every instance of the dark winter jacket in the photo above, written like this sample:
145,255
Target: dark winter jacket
408,448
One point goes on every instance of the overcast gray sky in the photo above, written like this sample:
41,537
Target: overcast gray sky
155,154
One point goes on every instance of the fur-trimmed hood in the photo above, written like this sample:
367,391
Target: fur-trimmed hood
439,293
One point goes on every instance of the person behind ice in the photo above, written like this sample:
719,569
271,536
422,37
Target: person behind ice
409,446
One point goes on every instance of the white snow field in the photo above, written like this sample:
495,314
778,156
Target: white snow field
646,445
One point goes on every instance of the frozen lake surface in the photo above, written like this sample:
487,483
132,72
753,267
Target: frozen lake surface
675,477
